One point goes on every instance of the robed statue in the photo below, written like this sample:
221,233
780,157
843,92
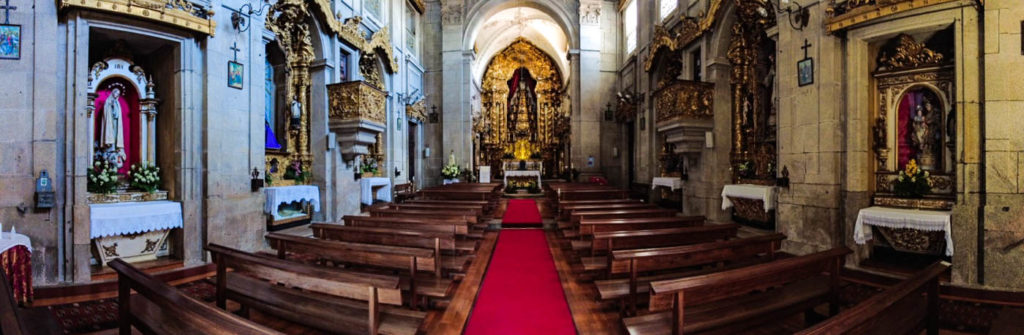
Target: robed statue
111,139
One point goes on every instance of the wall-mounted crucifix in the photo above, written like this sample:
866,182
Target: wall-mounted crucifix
7,8
807,45
235,49
805,67
10,34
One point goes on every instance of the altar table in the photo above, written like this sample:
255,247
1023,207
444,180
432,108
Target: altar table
283,195
925,220
374,188
523,173
133,231
16,260
765,194
673,183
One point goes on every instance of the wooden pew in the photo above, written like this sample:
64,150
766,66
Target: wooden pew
565,210
678,261
408,260
724,301
458,227
653,238
404,192
158,308
592,194
477,211
440,242
15,320
479,203
588,227
897,310
454,214
329,299
565,203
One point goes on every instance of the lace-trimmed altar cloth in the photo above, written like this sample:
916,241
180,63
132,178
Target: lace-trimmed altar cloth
523,173
280,195
749,191
925,220
366,185
126,218
673,183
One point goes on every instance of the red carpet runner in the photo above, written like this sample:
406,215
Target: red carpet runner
521,292
521,212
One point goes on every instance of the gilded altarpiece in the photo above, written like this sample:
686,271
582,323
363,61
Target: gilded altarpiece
914,120
287,19
752,54
522,109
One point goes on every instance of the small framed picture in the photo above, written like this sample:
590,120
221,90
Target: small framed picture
10,41
235,74
805,71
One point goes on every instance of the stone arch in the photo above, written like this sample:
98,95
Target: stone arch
559,13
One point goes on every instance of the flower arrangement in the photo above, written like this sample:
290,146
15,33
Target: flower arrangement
297,173
912,182
452,169
369,166
144,176
102,178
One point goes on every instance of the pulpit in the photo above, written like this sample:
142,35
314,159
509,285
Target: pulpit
288,206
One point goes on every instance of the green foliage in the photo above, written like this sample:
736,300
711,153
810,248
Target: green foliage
103,178
144,176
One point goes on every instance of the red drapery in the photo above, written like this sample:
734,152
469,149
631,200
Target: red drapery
129,115
17,265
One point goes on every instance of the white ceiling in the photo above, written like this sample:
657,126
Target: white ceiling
505,26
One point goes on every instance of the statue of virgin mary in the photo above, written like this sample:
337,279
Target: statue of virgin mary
112,129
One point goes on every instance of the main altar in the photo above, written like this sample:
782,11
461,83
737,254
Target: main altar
522,131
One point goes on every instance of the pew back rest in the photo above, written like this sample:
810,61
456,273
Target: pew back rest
731,283
341,283
666,258
897,310
172,302
384,236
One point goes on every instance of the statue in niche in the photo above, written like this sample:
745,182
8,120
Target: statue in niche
923,136
112,136
920,129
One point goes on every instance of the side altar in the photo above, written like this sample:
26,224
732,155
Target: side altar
130,216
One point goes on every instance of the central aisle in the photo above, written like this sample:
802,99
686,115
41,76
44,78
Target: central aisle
521,292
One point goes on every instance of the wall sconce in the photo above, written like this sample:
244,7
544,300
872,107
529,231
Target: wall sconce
239,22
433,117
783,180
257,182
799,17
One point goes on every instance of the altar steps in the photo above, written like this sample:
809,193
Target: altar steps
101,273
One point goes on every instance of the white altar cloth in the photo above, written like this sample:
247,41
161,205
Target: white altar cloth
125,218
280,195
10,240
522,173
749,191
366,189
903,218
673,183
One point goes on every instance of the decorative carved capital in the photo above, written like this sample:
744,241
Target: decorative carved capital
590,13
451,14
907,53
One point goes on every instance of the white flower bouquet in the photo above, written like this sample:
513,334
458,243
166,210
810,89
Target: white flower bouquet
144,176
102,178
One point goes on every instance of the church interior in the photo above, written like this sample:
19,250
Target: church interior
511,167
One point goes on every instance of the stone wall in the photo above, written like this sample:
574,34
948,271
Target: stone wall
1004,144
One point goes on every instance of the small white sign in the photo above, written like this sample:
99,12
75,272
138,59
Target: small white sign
485,174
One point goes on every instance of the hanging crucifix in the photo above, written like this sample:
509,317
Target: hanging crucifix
10,34
805,67
235,69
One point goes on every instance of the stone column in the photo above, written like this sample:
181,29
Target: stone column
576,157
456,83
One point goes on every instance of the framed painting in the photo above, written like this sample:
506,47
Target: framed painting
10,41
235,74
805,71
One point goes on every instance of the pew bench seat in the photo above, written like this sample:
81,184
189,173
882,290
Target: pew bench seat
738,313
580,246
565,224
466,246
431,286
610,289
570,233
319,311
594,264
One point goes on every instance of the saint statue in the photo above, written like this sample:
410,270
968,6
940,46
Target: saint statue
296,108
922,137
112,129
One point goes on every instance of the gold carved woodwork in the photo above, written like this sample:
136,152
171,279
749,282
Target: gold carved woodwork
846,14
417,111
356,100
418,5
177,13
914,240
287,19
370,71
752,135
690,30
552,126
908,54
939,204
684,99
